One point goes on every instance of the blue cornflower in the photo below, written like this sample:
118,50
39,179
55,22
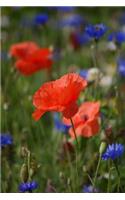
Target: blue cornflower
118,37
96,31
89,189
121,67
40,19
83,73
5,139
73,20
27,187
59,126
113,151
64,8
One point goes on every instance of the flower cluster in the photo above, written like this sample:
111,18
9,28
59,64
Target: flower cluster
113,151
28,187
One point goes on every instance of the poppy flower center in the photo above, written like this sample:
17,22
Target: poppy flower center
85,117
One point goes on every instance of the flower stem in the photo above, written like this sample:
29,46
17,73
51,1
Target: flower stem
28,164
96,173
118,172
74,132
94,53
109,178
76,160
89,177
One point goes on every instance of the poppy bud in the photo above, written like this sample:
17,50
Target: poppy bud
102,147
24,173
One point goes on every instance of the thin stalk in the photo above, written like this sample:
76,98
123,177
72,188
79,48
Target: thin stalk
74,132
118,172
94,53
96,173
109,178
76,148
71,172
89,177
28,164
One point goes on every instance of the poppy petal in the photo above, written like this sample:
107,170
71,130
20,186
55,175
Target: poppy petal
37,114
86,130
70,111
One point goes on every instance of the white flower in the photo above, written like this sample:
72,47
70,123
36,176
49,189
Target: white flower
106,81
111,46
93,74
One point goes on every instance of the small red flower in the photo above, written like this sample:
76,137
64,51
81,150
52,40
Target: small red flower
59,95
85,120
39,59
23,49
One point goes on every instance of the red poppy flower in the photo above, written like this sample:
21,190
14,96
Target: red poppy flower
85,120
39,59
26,68
23,49
59,95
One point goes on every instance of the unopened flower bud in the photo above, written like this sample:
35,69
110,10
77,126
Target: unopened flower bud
102,147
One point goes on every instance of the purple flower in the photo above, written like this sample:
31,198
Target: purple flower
28,187
5,140
64,8
96,31
59,126
40,19
113,151
83,73
118,37
73,20
121,67
89,189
